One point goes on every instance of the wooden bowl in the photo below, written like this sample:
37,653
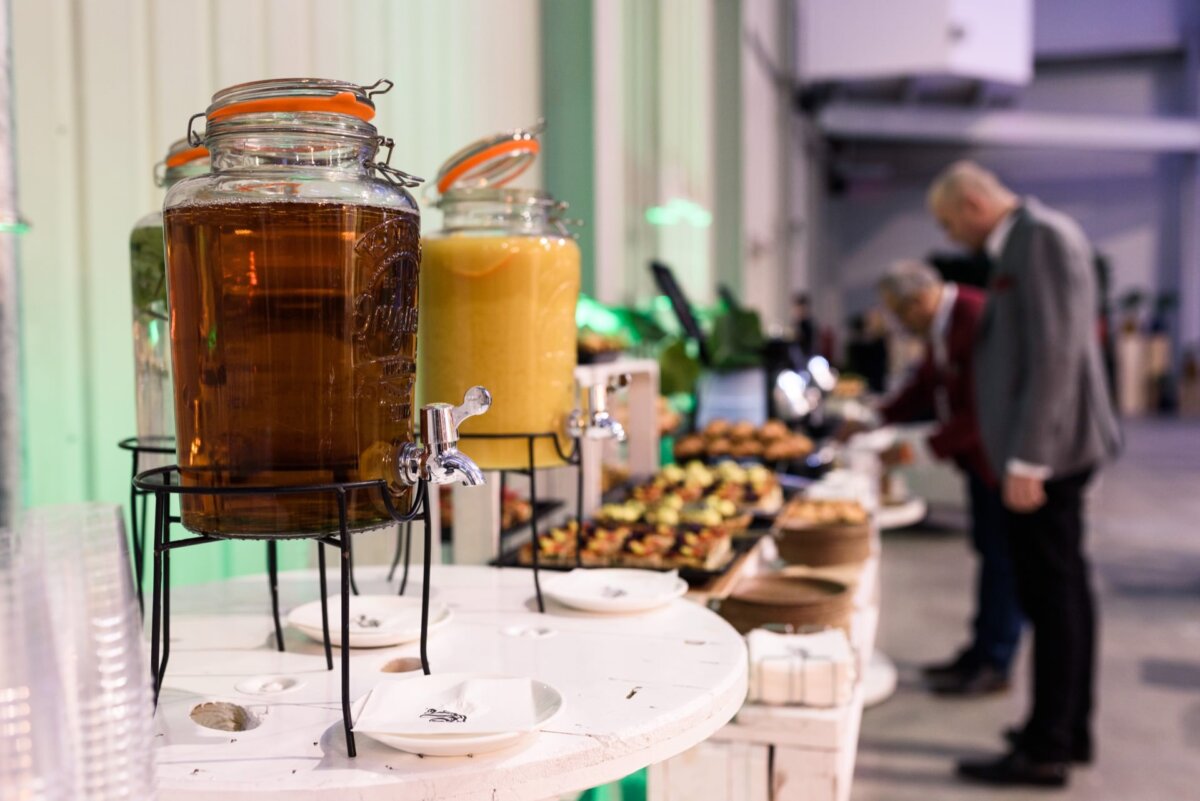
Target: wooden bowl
818,546
791,602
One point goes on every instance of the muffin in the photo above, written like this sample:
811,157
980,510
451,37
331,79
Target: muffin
720,447
747,449
773,430
717,429
741,431
691,446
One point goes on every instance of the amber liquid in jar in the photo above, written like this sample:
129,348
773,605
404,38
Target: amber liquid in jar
294,342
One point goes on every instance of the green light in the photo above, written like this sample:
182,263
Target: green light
13,226
596,316
679,211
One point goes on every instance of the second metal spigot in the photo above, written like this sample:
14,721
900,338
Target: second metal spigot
595,421
438,460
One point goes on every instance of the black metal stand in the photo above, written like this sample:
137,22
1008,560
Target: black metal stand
574,458
137,447
163,482
138,501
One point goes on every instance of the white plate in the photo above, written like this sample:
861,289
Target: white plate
547,700
615,590
454,744
376,621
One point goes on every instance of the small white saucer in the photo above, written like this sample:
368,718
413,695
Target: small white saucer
376,621
615,590
547,703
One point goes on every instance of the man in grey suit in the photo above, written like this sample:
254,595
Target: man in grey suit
1047,424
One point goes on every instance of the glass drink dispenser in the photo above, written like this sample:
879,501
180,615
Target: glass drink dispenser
148,274
293,272
499,286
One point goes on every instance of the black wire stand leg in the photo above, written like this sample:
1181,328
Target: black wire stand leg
403,542
137,527
350,560
273,579
324,605
427,565
344,537
398,553
533,529
156,597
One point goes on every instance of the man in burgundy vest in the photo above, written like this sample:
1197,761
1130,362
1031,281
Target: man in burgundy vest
943,388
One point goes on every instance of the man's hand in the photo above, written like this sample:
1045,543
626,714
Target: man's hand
1023,493
848,429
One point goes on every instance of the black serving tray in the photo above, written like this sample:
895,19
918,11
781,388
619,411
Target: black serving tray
741,544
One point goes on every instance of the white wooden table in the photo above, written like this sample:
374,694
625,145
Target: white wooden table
638,689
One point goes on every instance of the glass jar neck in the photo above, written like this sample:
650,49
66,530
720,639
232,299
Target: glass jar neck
519,212
291,141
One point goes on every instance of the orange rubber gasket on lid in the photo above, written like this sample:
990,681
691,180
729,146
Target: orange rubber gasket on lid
185,156
461,169
341,103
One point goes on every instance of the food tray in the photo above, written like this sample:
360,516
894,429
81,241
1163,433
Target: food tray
694,576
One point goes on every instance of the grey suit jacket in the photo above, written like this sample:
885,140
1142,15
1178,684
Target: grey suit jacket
1040,379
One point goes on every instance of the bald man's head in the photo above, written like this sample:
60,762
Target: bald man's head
968,202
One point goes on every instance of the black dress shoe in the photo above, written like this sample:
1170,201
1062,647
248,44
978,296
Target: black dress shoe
984,680
1016,768
959,664
1081,752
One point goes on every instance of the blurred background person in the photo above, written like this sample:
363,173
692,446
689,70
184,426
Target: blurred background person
867,349
802,321
947,317
1048,424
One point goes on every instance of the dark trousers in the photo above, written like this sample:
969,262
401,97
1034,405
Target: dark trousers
1056,594
998,618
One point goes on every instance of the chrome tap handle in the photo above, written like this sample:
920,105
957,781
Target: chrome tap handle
477,401
438,460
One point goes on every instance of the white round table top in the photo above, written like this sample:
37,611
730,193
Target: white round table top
638,689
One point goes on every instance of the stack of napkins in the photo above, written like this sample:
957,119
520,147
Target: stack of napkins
472,706
806,669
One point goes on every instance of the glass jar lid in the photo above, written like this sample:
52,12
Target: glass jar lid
183,160
492,161
325,105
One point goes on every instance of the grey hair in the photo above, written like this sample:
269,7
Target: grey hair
966,176
908,279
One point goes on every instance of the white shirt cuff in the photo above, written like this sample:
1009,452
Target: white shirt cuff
1027,470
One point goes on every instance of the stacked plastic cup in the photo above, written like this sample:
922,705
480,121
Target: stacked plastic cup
81,555
36,759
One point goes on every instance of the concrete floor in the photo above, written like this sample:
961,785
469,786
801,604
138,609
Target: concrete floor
1145,546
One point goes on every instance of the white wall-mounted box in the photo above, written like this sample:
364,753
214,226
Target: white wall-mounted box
845,40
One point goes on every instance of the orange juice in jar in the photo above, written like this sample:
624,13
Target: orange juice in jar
499,286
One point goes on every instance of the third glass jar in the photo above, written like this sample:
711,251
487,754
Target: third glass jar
499,286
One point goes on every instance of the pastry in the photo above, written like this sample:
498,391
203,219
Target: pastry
717,429
742,430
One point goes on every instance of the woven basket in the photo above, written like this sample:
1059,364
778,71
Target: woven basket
819,546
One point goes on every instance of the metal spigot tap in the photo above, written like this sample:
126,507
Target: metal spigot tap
596,422
438,460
